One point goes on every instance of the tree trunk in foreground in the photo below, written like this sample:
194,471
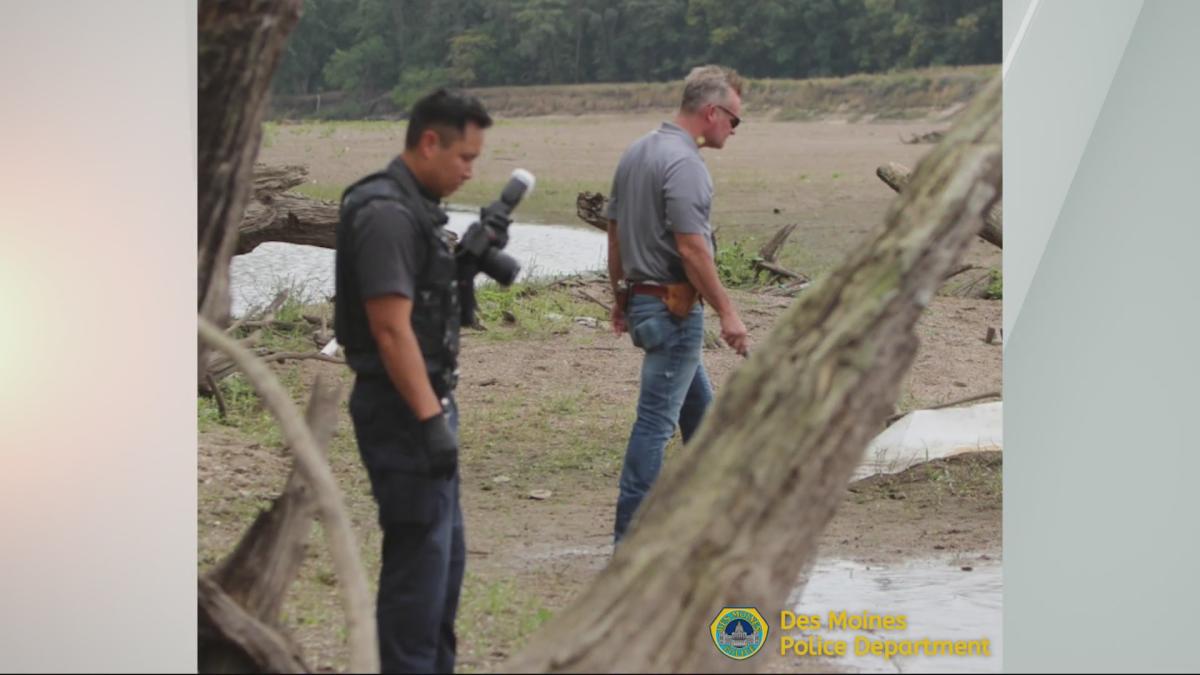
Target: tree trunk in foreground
239,45
738,514
897,176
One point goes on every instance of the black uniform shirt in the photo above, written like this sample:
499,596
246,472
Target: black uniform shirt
388,248
382,255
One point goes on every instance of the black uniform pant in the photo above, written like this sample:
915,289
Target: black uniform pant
424,552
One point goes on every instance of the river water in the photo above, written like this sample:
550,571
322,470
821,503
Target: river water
308,271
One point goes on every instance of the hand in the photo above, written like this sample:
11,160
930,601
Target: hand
496,224
734,333
618,319
441,446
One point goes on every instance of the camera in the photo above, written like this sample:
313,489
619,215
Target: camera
481,247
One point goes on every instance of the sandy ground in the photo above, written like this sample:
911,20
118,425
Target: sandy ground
819,175
553,411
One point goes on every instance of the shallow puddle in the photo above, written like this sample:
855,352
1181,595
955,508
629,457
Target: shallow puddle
938,600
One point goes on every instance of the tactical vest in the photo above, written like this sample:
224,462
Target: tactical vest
435,312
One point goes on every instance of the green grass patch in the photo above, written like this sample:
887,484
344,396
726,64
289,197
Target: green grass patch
735,265
529,309
497,617
995,289
329,193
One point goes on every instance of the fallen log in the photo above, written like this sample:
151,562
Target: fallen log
771,248
928,137
589,206
276,215
289,218
234,641
270,179
300,356
778,271
790,290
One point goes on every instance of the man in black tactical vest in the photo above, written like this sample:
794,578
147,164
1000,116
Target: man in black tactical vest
397,316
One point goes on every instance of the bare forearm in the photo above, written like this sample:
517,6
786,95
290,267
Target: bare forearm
615,272
702,273
401,354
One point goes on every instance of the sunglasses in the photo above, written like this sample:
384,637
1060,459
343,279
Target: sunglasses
734,120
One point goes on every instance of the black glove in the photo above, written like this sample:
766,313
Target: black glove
496,224
441,446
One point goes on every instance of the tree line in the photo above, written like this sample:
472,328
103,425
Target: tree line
401,48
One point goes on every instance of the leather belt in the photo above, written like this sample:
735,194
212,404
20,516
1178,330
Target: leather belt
649,289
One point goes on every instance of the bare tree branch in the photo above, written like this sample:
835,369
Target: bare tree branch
356,603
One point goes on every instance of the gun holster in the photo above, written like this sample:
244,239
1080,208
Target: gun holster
679,297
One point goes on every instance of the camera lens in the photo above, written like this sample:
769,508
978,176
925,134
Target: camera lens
500,266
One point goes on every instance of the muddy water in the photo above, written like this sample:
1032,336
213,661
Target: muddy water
543,250
938,598
939,601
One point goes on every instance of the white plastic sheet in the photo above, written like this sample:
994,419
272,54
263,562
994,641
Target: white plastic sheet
922,435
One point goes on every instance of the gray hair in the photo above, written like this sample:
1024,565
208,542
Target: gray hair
709,84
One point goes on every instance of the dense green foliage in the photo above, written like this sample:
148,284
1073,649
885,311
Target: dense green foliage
399,48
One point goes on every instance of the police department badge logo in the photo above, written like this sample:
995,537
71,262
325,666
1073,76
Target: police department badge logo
739,632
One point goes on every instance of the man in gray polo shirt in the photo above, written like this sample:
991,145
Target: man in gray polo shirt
659,242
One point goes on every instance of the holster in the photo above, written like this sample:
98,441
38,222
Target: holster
679,297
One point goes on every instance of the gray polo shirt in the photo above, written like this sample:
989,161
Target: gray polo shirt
661,187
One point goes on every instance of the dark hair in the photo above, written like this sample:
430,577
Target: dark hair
446,112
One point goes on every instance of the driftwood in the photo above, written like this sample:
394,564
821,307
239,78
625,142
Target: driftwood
929,137
310,462
897,175
765,262
266,315
589,206
771,248
271,552
275,215
588,296
211,383
300,356
789,290
234,641
722,527
220,365
778,271
269,180
242,597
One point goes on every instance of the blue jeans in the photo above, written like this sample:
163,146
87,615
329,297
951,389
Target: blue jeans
674,391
